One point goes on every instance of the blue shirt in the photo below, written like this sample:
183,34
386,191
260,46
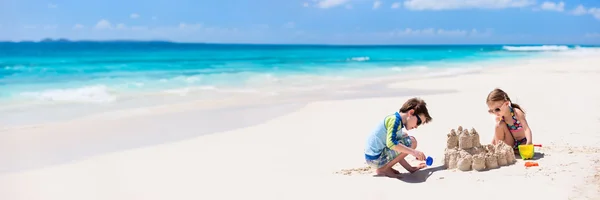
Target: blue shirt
385,135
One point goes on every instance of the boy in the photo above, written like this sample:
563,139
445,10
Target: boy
387,145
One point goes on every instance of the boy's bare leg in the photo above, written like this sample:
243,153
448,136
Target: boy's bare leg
387,169
402,161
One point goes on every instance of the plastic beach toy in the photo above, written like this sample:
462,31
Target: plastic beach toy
531,164
429,161
527,151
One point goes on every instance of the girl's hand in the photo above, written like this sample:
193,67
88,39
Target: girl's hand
498,120
529,142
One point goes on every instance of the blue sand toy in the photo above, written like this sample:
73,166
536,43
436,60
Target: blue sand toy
429,161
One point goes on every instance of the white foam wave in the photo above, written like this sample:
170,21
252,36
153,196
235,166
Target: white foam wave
359,59
579,51
262,79
186,79
186,90
416,68
587,49
86,94
454,71
537,48
16,67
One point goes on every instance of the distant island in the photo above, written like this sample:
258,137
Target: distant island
64,40
55,40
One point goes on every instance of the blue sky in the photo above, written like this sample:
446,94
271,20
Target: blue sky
306,21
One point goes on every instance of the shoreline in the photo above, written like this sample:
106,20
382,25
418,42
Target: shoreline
338,89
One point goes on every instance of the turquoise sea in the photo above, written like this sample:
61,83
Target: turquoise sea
100,73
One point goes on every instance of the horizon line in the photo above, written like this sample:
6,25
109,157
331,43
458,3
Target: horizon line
64,40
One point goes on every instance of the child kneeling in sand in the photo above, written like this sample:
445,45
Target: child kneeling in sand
387,145
511,125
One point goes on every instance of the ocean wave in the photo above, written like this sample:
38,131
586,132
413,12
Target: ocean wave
14,68
359,59
579,51
86,94
416,68
186,90
454,71
537,48
587,49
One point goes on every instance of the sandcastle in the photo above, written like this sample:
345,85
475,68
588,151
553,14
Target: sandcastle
465,152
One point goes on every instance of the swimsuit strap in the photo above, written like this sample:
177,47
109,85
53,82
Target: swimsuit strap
514,116
516,124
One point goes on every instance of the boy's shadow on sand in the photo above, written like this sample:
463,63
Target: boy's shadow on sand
419,176
422,175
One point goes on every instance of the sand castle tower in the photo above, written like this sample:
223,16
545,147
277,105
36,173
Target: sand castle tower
465,152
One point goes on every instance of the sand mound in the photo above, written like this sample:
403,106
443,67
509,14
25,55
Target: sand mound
465,152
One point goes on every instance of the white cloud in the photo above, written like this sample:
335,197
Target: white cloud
159,32
579,10
103,24
138,28
592,35
52,6
78,26
50,27
456,32
261,26
330,3
134,16
595,12
437,32
551,6
121,26
305,4
376,4
348,6
289,25
465,4
186,26
29,27
395,5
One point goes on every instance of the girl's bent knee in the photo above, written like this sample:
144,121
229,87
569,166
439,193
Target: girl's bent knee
501,129
500,126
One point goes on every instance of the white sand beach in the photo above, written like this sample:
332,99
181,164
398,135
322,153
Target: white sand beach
299,155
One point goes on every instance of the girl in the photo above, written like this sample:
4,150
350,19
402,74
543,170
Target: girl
511,125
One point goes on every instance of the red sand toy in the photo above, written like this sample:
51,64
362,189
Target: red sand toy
531,164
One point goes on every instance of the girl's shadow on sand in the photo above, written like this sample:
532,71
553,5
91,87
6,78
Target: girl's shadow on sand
536,156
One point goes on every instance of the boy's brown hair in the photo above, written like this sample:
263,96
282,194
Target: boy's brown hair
419,106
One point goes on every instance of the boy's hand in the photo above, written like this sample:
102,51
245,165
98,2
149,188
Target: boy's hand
418,155
417,168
